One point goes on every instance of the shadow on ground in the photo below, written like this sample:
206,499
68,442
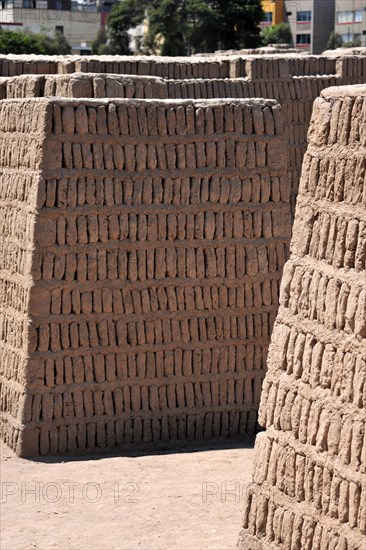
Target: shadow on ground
133,451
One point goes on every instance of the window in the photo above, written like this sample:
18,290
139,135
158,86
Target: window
347,38
345,17
303,39
303,16
358,16
59,29
268,17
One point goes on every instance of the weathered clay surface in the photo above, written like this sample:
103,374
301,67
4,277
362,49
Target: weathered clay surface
78,85
141,253
225,65
309,484
295,81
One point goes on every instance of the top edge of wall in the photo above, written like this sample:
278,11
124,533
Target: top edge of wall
137,101
184,59
355,90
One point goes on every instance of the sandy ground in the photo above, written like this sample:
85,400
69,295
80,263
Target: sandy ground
191,500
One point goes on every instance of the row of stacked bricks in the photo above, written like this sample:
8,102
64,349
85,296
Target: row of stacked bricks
294,81
166,67
309,482
81,85
296,95
147,269
349,67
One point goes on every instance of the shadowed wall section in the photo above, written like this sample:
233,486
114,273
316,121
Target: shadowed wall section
22,128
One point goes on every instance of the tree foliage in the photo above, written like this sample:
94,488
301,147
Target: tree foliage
335,41
181,27
99,46
56,44
125,15
277,34
19,42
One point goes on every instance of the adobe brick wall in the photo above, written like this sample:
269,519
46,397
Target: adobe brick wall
215,66
309,482
295,81
80,85
157,236
21,137
295,94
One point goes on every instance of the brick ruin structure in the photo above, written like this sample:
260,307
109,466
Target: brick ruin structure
143,243
143,240
295,81
309,482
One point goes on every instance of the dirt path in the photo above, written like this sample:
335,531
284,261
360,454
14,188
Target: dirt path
186,501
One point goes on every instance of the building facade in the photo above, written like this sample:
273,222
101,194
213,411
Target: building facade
350,21
78,22
311,23
274,12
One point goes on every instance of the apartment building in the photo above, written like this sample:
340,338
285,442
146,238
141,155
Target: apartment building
79,22
350,21
311,23
274,12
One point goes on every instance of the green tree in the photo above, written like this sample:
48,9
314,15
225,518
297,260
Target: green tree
352,44
277,34
180,27
19,42
335,41
167,27
125,15
56,44
99,46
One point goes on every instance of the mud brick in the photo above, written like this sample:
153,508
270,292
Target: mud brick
81,120
68,119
